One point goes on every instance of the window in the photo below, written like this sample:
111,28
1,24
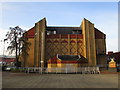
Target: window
51,32
77,32
48,32
54,32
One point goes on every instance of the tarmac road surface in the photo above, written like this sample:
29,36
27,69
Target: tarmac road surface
24,80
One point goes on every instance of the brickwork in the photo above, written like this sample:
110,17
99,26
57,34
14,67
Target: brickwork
90,43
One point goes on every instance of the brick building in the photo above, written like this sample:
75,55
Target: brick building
49,41
7,60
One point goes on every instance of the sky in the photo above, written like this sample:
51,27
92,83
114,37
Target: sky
104,15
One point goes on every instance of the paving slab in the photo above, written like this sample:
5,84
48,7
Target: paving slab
23,80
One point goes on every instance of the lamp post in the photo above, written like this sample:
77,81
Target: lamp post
34,54
41,66
41,63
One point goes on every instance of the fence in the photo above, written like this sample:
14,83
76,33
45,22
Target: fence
82,70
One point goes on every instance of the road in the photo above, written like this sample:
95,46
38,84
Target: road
24,80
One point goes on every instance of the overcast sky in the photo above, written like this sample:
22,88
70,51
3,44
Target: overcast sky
104,15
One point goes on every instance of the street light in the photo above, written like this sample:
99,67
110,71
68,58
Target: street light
41,63
41,66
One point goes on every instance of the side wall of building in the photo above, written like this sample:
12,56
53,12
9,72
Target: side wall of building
89,42
39,47
30,57
100,42
28,61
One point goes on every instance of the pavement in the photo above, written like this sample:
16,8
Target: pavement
35,80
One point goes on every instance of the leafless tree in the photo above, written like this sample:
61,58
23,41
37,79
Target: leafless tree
18,42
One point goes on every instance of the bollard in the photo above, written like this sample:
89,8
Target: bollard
66,70
56,70
41,70
28,70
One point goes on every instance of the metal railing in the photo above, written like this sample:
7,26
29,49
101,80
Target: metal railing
82,70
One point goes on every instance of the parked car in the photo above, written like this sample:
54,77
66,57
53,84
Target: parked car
3,68
9,68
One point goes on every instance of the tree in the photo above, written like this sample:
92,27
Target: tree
17,42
